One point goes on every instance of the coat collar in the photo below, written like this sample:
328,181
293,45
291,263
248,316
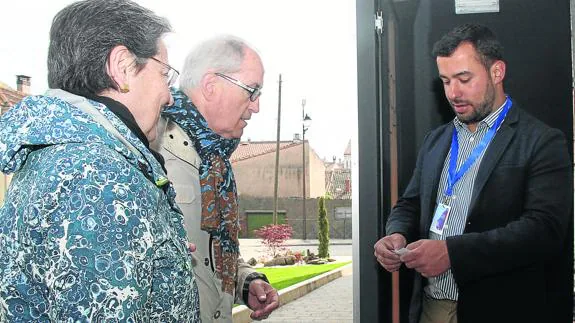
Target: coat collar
440,149
494,152
492,156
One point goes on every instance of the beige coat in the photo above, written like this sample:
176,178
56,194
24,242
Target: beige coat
182,163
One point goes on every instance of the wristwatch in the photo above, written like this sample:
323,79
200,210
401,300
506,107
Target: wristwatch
249,278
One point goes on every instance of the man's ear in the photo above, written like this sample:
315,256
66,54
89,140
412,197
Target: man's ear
497,71
118,67
209,86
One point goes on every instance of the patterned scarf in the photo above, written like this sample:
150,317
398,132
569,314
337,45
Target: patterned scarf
218,186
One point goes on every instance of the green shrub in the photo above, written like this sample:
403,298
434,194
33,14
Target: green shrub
323,232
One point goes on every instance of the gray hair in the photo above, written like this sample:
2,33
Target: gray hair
222,54
84,33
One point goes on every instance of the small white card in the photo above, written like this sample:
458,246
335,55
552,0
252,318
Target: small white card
401,251
440,218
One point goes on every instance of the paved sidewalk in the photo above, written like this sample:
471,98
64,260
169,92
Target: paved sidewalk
332,302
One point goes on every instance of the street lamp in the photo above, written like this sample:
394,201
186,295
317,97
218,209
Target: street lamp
306,123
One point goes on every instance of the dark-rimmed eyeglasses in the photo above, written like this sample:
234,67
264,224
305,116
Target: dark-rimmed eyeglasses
172,74
254,92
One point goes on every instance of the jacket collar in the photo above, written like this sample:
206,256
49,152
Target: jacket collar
494,152
492,155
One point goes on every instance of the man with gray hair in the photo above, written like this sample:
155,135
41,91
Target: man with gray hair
219,90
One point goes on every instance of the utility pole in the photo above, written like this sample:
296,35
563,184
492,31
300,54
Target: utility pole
275,215
303,130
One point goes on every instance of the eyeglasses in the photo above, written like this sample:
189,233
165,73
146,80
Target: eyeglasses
255,92
172,74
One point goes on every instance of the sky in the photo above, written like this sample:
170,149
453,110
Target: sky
312,43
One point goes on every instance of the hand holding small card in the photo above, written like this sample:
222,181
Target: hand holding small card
401,252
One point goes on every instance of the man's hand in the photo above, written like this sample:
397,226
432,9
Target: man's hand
384,251
428,257
262,299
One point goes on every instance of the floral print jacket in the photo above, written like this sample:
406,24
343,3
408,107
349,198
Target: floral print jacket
89,230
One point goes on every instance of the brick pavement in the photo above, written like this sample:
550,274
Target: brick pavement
332,302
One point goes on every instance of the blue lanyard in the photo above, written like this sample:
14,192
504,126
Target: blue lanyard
453,175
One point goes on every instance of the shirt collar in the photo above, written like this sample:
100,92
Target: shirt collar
486,122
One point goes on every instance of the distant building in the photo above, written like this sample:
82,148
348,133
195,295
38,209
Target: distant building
339,184
8,98
347,156
338,176
254,169
334,164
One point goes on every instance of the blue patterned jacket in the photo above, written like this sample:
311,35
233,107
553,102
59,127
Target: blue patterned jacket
89,230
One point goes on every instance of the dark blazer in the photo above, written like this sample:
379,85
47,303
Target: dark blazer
506,261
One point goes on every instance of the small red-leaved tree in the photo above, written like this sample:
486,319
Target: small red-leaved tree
274,237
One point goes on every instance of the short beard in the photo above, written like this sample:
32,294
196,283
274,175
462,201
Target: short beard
483,109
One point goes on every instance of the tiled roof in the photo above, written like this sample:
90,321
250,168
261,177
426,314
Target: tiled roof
250,149
329,166
9,97
338,183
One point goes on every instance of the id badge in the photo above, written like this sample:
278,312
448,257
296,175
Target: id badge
440,218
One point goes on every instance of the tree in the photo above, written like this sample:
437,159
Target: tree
323,232
274,237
